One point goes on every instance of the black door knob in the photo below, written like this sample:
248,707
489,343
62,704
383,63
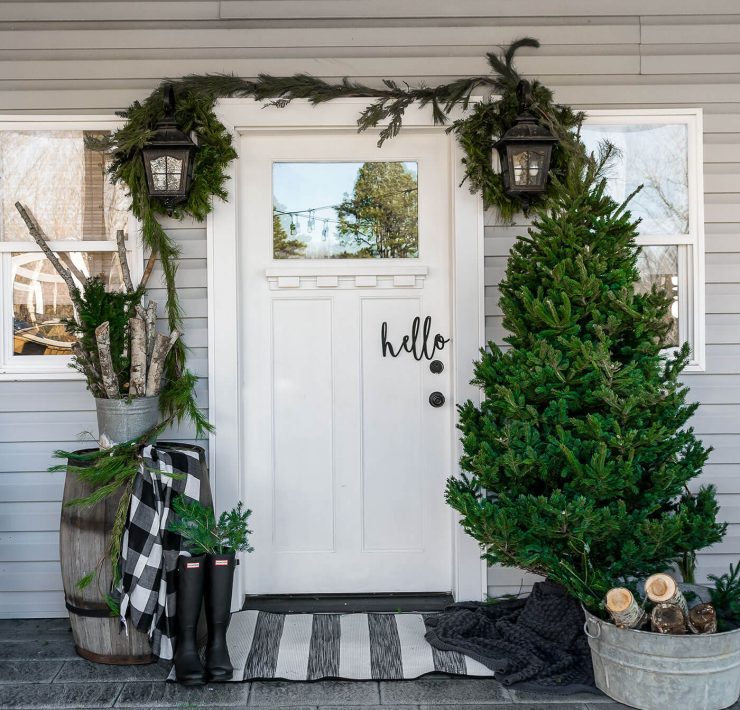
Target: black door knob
436,366
436,399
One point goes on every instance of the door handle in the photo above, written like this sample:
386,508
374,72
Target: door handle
436,399
436,366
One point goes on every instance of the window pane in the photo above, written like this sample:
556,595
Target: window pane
63,182
41,299
345,210
659,266
655,156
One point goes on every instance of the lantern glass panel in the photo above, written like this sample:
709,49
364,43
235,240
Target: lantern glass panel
528,166
167,173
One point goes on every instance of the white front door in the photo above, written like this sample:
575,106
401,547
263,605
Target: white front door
344,455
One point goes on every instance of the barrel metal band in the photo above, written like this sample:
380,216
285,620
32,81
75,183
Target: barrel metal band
100,612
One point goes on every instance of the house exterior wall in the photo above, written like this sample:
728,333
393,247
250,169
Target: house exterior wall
97,57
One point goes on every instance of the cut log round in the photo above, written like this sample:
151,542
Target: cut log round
668,619
83,546
702,619
623,608
663,589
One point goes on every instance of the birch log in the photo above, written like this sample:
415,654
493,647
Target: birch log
137,383
668,619
624,610
148,269
663,589
40,238
123,261
702,619
162,346
85,361
110,382
151,328
67,259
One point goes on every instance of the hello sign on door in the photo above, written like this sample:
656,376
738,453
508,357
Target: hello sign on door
419,342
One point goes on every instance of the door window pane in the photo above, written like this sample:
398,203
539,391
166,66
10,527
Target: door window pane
345,210
41,299
658,266
63,182
656,157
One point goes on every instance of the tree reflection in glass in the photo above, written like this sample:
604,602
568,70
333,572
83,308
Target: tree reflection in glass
658,266
345,210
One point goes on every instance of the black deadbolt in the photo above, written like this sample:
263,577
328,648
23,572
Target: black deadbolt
436,399
436,366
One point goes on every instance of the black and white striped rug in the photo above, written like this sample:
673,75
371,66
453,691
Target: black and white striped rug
351,646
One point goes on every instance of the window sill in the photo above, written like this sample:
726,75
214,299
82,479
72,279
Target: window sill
39,375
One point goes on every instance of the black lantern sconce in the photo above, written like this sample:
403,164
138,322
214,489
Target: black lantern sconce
168,158
525,151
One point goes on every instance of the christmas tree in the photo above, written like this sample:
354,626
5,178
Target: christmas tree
577,461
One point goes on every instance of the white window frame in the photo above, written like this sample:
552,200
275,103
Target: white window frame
52,367
692,314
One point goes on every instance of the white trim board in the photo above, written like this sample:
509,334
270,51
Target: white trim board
224,366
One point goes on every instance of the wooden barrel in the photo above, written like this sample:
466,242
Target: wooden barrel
84,537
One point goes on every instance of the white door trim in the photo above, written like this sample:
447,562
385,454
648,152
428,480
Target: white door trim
224,358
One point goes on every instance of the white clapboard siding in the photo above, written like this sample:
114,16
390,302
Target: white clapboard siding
93,57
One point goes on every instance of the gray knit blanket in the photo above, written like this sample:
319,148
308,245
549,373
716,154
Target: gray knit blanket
535,644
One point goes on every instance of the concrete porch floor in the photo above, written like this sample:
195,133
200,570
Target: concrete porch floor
39,669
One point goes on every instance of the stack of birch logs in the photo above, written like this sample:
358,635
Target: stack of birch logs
670,612
147,348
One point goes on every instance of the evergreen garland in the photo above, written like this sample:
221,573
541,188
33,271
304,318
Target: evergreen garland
195,97
193,114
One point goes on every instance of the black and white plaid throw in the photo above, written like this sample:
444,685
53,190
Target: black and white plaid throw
149,551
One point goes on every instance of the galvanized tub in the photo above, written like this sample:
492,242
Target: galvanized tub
655,672
121,420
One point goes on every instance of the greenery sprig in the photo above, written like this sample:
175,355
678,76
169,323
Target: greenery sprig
203,534
725,597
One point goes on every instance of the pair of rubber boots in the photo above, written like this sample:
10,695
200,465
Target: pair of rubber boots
209,576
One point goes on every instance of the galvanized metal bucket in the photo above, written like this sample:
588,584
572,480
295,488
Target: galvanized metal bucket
121,420
655,672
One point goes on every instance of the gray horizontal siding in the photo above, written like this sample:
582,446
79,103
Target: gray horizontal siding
87,57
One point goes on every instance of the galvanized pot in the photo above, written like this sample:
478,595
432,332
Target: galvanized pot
121,420
652,671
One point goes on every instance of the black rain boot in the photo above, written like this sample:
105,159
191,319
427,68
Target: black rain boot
190,579
219,579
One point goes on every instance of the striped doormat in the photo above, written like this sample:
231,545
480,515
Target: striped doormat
351,646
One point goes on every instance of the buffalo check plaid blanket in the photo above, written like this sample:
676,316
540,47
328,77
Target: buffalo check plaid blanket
149,551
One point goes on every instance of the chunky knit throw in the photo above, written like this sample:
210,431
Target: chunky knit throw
534,644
